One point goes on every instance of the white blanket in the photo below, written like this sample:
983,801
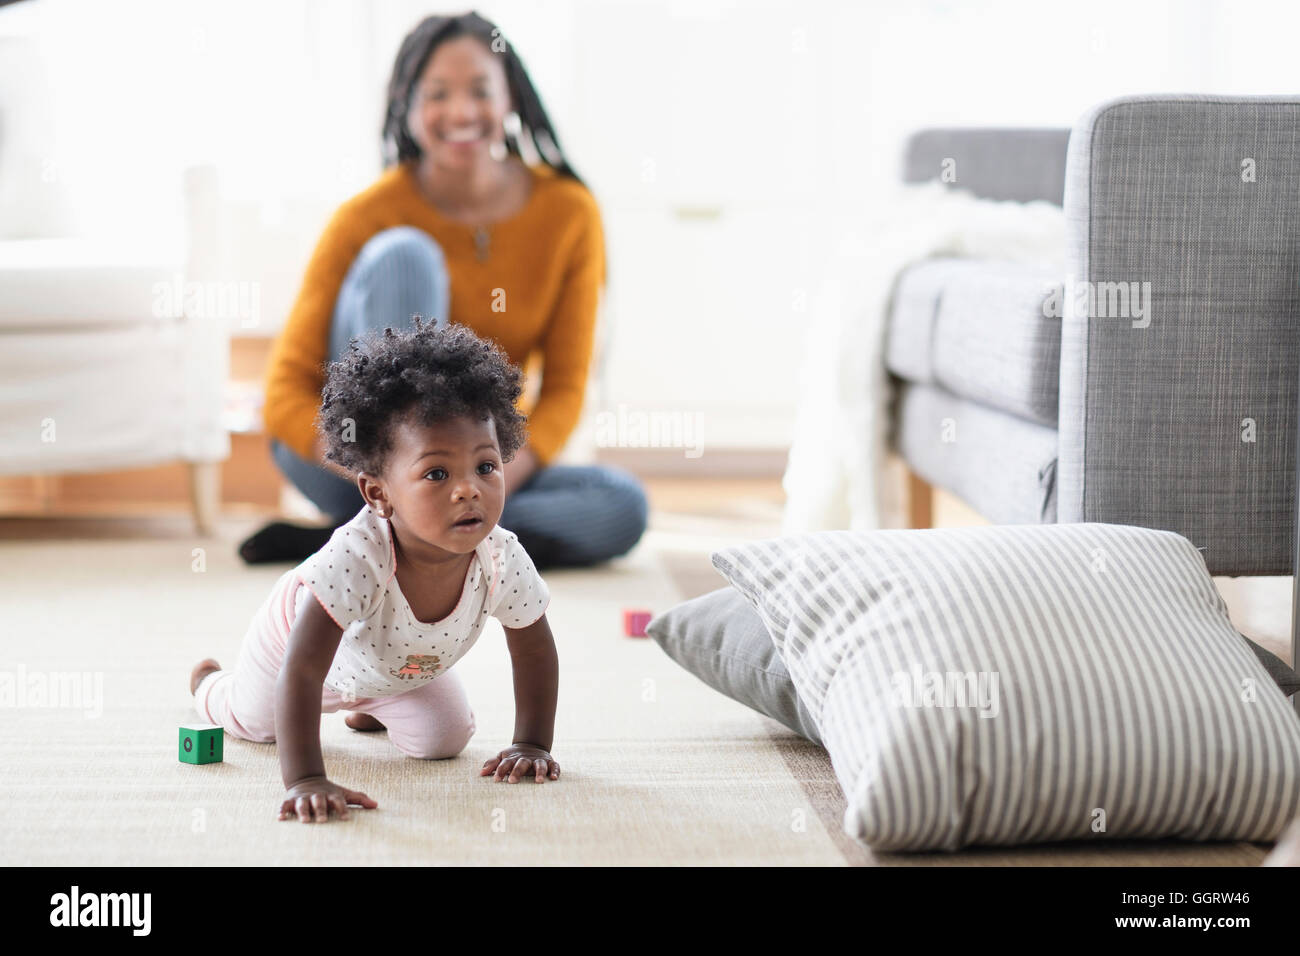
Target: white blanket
834,475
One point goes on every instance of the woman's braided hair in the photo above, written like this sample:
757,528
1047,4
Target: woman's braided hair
427,373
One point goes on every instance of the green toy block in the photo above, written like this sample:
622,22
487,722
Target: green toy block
201,743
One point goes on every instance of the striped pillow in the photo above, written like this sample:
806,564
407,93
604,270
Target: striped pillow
1015,684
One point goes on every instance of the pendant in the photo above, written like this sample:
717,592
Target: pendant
482,239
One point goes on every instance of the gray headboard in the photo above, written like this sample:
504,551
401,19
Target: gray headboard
1019,164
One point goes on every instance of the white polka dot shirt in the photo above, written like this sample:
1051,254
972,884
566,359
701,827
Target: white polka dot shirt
385,650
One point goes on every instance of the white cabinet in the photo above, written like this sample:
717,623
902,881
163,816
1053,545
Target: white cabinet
703,130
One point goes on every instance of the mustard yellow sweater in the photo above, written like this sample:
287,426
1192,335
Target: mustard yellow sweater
547,261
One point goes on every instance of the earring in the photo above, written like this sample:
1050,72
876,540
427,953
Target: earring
512,126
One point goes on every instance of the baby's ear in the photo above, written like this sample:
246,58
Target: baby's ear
370,489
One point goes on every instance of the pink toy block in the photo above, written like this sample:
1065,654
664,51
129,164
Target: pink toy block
634,623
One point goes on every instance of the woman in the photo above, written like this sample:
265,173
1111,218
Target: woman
459,228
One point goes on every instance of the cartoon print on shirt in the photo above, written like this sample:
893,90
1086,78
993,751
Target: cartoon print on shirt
418,665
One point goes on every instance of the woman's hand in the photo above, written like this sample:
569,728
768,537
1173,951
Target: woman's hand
519,469
317,796
516,760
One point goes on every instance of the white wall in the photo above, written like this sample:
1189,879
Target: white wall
728,142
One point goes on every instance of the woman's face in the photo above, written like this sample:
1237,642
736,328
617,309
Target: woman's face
459,104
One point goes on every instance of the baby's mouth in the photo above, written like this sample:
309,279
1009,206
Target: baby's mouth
468,524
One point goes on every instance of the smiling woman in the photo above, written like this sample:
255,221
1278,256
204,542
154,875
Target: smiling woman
462,230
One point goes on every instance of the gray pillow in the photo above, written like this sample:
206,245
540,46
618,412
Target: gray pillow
1018,684
721,640
1287,680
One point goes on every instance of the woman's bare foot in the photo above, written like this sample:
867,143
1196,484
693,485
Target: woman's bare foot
201,670
362,722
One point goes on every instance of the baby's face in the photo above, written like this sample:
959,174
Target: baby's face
437,476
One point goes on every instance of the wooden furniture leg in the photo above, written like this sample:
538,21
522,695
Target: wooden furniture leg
205,494
920,501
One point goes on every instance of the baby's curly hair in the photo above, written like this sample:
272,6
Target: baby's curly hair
428,373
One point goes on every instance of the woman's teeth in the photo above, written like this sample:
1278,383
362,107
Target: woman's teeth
462,136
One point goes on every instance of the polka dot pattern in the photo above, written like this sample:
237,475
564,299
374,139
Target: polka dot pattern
385,649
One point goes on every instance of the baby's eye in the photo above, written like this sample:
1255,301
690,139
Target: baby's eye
437,471
490,467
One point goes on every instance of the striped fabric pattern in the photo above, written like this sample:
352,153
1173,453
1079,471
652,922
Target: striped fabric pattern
1017,684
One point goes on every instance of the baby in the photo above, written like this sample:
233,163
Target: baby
373,622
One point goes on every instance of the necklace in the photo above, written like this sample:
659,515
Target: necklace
482,234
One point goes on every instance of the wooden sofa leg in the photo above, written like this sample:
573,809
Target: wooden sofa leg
920,501
205,494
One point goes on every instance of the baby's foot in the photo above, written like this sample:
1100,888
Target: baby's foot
201,670
362,722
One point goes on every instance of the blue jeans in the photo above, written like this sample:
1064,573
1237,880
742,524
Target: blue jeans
564,515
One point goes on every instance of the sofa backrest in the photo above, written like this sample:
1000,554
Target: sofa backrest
1017,164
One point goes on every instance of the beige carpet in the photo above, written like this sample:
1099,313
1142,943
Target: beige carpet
658,768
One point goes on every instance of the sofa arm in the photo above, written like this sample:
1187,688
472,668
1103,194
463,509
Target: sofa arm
1179,339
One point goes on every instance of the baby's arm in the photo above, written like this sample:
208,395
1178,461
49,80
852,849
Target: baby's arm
536,667
312,644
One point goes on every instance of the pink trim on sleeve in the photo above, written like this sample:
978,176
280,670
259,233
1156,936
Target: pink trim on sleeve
496,555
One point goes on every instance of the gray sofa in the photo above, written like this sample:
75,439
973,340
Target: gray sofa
1181,418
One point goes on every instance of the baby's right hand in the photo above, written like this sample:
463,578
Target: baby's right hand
316,795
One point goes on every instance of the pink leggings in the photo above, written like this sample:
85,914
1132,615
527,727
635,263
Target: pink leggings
430,722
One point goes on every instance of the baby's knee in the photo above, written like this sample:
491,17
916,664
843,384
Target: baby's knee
444,743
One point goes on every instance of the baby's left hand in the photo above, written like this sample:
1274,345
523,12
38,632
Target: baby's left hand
516,760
